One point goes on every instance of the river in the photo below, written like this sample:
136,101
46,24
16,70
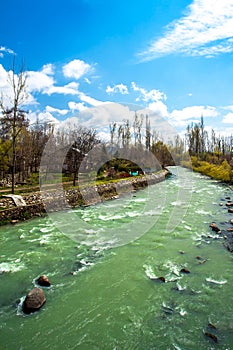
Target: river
110,300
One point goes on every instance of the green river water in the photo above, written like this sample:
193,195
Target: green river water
109,301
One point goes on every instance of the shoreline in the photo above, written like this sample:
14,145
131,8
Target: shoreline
41,202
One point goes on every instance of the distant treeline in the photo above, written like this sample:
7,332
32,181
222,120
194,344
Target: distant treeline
22,145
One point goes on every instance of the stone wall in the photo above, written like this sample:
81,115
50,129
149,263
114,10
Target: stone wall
39,203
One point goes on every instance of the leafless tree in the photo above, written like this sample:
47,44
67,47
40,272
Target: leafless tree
13,118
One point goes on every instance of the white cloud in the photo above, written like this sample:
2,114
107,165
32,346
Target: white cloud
118,88
69,89
48,69
87,81
50,109
159,108
46,117
205,30
101,116
76,69
148,96
39,81
69,124
42,117
90,100
191,114
228,118
3,78
228,108
5,50
7,90
76,106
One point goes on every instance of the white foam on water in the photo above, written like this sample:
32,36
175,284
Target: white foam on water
178,203
109,217
211,280
183,312
203,212
180,288
47,229
19,306
175,269
139,200
11,267
149,271
132,214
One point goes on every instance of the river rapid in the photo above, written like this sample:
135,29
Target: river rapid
105,293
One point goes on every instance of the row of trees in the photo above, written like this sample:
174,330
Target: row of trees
22,144
208,146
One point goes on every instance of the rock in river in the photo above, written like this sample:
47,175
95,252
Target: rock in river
215,227
184,270
34,300
43,281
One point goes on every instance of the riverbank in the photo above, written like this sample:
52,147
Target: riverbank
221,172
41,202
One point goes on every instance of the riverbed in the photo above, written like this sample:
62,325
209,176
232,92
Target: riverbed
104,262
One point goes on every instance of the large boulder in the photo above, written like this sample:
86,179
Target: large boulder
43,281
34,300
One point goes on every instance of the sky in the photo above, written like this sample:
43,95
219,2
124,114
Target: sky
92,62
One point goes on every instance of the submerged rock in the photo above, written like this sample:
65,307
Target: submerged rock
229,242
161,279
43,281
215,227
211,336
211,326
184,270
34,300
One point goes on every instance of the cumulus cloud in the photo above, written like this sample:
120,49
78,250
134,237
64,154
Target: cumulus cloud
7,93
3,78
159,108
50,109
90,100
118,88
5,50
77,106
148,96
102,115
48,69
69,89
228,118
41,118
39,81
191,114
76,69
206,29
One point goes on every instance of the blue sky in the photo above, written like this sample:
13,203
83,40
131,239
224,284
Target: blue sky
173,57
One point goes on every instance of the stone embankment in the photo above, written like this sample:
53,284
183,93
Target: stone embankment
39,203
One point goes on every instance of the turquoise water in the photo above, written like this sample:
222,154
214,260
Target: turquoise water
100,261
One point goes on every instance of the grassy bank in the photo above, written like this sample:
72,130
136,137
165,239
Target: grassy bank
222,172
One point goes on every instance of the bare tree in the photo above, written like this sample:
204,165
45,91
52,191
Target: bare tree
13,118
